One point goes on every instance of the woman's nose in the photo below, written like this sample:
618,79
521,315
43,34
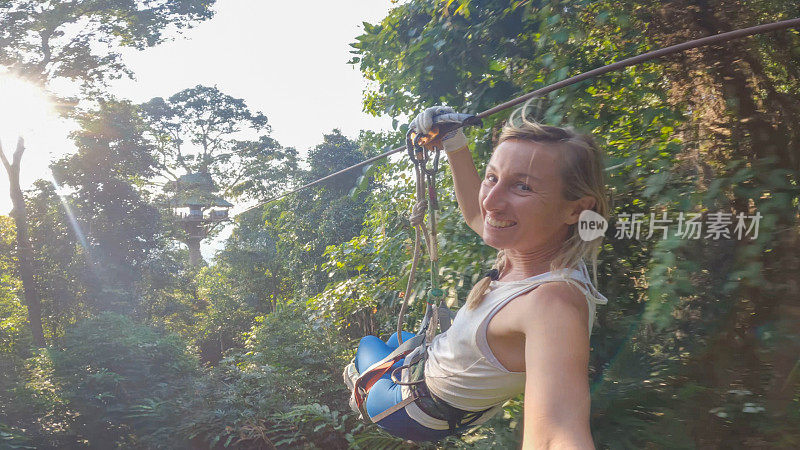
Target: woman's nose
494,199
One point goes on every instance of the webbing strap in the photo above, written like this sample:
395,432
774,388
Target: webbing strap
392,409
425,184
407,346
374,375
445,318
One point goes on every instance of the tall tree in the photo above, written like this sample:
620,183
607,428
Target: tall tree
321,216
212,136
24,253
60,261
80,41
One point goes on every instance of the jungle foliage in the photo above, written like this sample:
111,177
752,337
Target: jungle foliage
696,348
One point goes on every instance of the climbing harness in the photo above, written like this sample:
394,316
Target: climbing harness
424,151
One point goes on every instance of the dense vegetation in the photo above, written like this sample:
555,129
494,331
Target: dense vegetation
697,347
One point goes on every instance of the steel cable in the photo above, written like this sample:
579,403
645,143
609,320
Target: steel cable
709,40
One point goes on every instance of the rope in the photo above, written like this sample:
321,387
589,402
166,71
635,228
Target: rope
709,40
417,220
417,216
425,178
409,286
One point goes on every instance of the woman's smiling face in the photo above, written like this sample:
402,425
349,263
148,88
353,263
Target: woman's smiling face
521,197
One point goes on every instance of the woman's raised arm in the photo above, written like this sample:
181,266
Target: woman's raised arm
465,177
467,183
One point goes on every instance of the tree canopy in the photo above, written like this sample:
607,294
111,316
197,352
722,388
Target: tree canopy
202,130
697,346
80,40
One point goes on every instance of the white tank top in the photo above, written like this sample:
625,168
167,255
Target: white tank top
461,368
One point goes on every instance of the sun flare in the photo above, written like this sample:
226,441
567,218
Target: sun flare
25,110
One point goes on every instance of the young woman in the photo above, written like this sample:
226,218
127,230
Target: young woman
526,326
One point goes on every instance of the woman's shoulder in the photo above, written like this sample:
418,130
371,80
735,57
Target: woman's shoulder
556,302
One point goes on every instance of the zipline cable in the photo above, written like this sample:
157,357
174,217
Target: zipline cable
709,40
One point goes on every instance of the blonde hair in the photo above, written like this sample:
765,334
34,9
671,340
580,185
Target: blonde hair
582,174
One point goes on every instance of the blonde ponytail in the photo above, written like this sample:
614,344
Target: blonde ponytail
476,294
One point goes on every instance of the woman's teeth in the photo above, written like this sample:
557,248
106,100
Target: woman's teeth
500,223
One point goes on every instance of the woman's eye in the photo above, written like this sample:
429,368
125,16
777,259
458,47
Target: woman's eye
523,186
491,178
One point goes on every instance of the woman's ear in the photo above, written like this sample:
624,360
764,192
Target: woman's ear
576,207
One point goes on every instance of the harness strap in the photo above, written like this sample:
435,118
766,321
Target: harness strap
406,347
437,408
419,393
432,405
445,317
393,409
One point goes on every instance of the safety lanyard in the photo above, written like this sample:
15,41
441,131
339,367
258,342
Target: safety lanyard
426,166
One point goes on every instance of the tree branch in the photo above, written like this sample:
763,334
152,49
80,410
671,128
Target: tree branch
180,158
13,167
46,51
4,159
226,190
18,152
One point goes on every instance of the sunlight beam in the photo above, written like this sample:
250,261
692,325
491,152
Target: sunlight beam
73,221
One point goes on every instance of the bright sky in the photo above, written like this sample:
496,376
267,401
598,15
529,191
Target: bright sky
285,59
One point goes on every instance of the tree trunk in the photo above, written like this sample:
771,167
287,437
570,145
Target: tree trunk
24,252
195,257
